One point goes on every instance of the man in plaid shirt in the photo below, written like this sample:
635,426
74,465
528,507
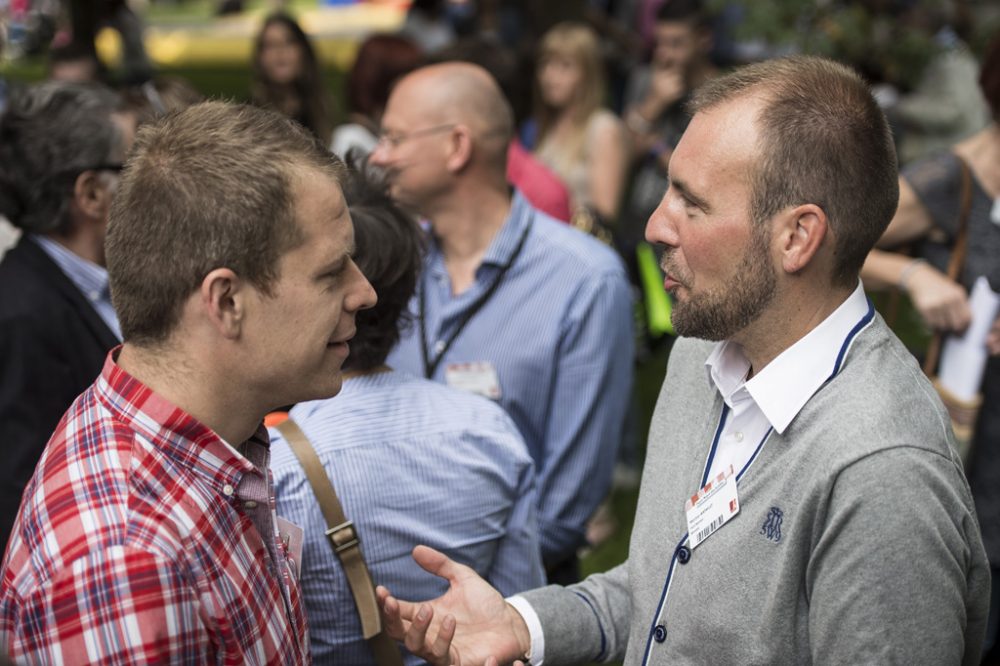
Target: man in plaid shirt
148,533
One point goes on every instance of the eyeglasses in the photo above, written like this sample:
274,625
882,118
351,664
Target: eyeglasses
394,140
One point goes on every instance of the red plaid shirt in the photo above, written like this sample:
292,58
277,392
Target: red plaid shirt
137,543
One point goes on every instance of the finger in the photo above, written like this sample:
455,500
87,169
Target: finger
441,647
438,563
416,635
394,625
406,609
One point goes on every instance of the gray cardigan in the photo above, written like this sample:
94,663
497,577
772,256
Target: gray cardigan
878,558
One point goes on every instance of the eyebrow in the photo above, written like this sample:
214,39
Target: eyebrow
341,261
688,194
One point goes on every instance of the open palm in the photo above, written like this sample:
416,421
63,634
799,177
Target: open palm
469,624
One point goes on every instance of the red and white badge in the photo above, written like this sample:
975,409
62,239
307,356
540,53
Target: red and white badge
479,377
712,507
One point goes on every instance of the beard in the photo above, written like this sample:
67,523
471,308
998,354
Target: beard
723,311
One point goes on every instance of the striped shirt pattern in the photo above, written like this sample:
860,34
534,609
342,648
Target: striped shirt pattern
412,462
558,330
132,545
89,278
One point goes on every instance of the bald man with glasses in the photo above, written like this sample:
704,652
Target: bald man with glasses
512,304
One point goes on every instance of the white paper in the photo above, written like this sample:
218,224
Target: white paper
963,358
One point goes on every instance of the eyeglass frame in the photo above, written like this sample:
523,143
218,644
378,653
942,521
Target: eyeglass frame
386,141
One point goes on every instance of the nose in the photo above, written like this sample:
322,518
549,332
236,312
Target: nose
362,295
379,155
660,228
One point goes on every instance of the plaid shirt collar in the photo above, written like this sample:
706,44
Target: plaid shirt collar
183,438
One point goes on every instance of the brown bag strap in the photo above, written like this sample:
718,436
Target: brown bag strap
346,545
957,261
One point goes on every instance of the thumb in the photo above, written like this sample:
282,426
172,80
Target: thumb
439,564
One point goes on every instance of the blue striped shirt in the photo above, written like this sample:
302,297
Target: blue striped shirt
88,277
412,462
558,330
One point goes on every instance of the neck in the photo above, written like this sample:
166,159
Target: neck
82,244
466,226
778,328
378,369
178,376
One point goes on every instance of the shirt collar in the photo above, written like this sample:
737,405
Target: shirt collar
503,244
174,432
89,278
787,383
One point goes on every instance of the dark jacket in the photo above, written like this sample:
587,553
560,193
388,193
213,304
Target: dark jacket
52,347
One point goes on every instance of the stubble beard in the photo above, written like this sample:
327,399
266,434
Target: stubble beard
722,312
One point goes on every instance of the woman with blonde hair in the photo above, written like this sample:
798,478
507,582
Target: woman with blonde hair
584,143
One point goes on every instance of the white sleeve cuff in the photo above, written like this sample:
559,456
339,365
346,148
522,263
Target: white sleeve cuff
536,653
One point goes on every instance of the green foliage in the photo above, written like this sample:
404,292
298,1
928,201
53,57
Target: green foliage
886,46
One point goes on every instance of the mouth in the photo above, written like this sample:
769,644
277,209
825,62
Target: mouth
340,344
670,280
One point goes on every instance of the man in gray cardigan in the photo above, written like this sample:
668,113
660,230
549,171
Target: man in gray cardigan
801,501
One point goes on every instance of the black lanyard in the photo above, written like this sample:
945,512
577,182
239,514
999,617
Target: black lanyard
431,365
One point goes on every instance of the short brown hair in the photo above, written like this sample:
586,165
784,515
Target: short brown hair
823,140
205,188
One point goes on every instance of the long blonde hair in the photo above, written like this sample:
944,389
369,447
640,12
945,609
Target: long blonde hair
578,43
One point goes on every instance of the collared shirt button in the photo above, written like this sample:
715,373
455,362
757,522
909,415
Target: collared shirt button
227,490
660,633
739,436
683,554
94,295
249,504
439,347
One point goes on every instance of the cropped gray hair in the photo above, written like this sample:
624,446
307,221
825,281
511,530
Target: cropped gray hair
49,134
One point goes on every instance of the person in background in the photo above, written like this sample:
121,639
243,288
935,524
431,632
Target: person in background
655,104
511,304
62,146
539,184
74,63
147,533
579,140
159,96
287,76
398,447
929,204
380,61
802,500
427,24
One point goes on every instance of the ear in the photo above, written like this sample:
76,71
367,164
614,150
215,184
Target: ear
91,196
800,235
223,298
459,148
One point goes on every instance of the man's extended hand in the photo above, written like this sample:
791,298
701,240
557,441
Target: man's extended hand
470,624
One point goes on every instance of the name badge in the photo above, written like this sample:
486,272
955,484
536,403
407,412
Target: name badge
712,507
291,536
479,377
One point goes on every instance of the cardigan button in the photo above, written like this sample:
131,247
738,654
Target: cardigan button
660,633
683,554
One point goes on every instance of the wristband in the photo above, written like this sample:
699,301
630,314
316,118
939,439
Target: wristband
908,270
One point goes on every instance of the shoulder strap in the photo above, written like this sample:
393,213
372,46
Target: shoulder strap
957,261
345,543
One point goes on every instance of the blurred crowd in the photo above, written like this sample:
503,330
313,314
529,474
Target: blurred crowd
495,282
